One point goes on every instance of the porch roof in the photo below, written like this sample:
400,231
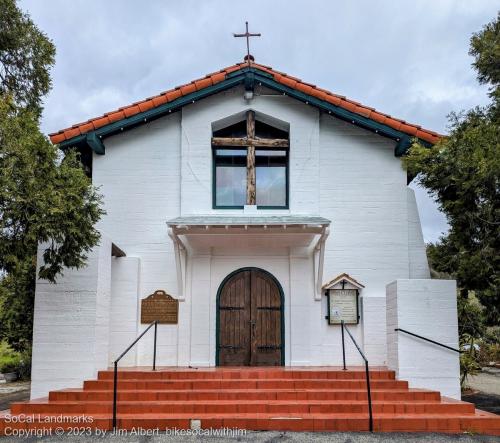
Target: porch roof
223,220
248,233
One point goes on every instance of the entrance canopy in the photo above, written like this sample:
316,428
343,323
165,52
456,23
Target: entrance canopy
248,234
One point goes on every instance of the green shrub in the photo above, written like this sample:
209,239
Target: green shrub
489,352
9,363
24,368
468,366
12,361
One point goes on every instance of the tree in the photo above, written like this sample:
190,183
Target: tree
42,199
26,55
462,173
16,306
45,195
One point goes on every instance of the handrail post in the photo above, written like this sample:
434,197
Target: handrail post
115,393
368,389
369,395
343,343
115,374
154,350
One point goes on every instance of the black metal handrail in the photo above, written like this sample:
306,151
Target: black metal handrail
115,377
429,340
367,370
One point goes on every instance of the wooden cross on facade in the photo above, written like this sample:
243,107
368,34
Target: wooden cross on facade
250,142
247,35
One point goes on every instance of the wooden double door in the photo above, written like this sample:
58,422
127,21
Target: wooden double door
250,320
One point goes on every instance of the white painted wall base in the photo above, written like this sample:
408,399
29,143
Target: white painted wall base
71,324
125,311
427,308
374,330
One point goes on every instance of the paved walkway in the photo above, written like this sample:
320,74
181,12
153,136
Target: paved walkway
269,437
16,391
487,381
486,390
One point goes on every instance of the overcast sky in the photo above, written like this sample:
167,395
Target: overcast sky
405,58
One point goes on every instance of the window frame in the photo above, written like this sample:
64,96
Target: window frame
214,177
214,182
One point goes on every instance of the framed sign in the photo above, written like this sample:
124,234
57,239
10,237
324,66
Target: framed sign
160,307
343,304
343,299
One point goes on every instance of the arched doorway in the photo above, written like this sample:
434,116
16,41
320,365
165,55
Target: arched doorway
250,326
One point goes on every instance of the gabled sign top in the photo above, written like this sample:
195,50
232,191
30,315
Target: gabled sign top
343,278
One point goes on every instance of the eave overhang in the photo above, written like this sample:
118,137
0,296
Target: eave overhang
248,77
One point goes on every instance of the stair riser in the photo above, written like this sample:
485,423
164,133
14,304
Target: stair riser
256,395
245,384
242,375
448,425
215,408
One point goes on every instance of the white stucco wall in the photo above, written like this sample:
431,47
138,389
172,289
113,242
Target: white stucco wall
163,169
125,311
71,324
362,189
139,178
363,192
419,267
427,308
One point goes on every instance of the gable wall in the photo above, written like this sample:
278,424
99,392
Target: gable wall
197,153
164,169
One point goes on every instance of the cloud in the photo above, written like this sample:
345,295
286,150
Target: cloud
408,59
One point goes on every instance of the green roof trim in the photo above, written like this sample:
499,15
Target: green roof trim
248,77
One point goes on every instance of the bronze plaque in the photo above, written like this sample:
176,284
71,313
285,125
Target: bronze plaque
160,306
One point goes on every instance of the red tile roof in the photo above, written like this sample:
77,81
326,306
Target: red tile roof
217,77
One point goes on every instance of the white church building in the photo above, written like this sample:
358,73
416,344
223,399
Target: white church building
268,209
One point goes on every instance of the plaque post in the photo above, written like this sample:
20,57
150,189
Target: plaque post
115,393
154,350
343,343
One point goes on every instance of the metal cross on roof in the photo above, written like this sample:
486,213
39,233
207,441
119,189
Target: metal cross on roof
247,35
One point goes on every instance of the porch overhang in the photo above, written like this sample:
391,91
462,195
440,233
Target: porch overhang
193,234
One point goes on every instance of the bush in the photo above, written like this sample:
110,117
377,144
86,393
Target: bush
12,361
24,367
468,366
489,353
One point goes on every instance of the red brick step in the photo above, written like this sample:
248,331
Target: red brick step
242,384
237,406
481,423
295,399
248,394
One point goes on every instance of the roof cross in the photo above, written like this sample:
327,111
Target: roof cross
247,35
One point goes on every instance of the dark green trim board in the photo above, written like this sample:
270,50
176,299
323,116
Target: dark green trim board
95,143
248,77
403,146
282,310
152,114
249,81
